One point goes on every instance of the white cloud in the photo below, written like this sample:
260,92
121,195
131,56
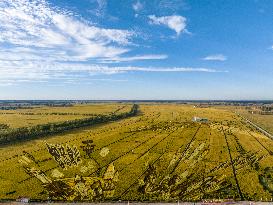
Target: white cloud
35,33
34,24
40,31
135,58
107,80
39,43
216,57
137,6
101,7
174,22
11,67
173,6
36,71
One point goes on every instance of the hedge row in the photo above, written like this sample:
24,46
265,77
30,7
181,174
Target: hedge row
26,133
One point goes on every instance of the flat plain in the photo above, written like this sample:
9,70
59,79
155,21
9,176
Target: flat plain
264,121
45,114
158,155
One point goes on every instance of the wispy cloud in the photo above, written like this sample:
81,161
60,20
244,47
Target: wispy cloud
107,80
40,43
100,7
34,24
174,22
216,57
34,30
137,6
24,67
35,71
135,58
173,6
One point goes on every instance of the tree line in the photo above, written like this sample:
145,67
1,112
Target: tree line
27,133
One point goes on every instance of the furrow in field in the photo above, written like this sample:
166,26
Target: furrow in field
185,175
111,143
130,170
116,127
29,178
259,141
122,155
156,160
233,167
142,154
24,180
138,177
269,151
249,164
184,151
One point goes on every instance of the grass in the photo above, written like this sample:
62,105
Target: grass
159,155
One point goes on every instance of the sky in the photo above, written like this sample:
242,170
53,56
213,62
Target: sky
136,49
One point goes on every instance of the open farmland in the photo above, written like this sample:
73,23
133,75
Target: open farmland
264,121
157,155
12,134
45,114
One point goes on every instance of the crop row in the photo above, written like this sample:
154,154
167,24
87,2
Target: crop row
117,127
233,167
26,133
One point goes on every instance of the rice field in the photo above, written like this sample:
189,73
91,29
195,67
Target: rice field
158,155
45,114
264,121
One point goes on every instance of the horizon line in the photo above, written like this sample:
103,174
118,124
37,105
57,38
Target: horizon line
186,100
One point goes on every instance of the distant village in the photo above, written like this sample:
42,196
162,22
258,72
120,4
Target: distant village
253,107
262,110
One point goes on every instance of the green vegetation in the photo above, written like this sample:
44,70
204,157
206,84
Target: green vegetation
158,155
47,114
24,133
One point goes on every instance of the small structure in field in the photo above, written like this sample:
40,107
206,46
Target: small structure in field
199,119
23,200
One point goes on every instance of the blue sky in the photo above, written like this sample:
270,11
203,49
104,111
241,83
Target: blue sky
153,49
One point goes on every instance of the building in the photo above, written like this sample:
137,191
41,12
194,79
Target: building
23,200
199,119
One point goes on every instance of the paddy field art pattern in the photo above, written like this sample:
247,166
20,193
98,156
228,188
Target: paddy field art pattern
159,153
